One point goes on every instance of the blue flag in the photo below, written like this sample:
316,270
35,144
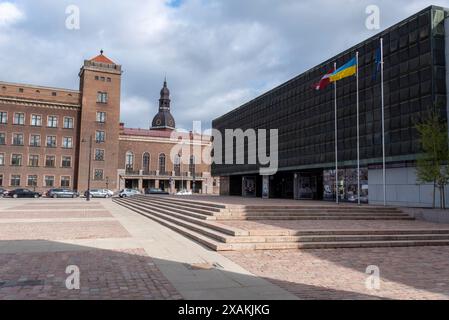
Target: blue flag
377,63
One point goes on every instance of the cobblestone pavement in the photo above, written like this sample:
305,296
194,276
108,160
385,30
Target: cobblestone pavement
33,258
104,274
405,273
333,224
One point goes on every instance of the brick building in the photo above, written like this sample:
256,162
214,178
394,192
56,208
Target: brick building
49,137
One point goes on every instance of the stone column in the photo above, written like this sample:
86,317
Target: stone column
156,184
140,184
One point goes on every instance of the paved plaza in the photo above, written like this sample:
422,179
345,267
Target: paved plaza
123,255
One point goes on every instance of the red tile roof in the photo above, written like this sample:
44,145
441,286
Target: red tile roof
102,59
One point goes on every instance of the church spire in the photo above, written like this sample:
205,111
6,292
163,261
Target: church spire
164,119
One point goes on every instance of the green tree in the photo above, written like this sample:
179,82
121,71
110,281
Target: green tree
432,165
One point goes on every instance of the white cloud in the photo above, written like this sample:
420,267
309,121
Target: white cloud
217,54
9,14
137,111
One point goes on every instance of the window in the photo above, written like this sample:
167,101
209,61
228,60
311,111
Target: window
108,79
67,142
100,136
66,162
177,165
53,94
97,78
65,181
49,181
50,161
51,141
162,163
2,159
3,117
192,165
32,181
19,118
68,123
98,174
35,140
102,97
101,117
129,161
1,180
15,180
146,162
33,161
16,160
2,138
17,139
52,121
99,155
36,120
103,79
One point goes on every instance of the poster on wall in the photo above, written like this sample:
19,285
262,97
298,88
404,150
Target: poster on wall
265,187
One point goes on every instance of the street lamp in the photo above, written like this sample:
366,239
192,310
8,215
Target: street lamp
90,164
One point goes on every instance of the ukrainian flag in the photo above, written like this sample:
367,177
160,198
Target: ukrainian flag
347,70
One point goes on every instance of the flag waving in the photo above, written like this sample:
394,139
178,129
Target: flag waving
324,82
347,70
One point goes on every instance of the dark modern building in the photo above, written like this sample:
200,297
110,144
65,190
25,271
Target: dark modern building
415,82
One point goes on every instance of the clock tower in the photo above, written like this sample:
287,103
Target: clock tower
164,120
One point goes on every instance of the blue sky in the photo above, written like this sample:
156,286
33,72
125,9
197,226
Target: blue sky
216,54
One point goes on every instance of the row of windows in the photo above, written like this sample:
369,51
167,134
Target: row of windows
52,121
17,139
49,181
36,120
34,160
21,90
98,78
146,160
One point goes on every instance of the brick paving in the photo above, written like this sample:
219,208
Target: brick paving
333,225
62,230
405,273
54,214
104,274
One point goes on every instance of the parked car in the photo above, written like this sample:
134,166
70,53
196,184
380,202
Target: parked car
128,193
61,193
3,193
24,193
156,191
184,192
99,193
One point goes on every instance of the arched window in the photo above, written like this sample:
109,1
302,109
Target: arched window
162,163
192,165
177,165
146,162
129,161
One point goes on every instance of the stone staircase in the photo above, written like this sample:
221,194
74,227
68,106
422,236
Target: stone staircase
200,221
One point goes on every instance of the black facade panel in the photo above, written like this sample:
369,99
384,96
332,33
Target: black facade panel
414,74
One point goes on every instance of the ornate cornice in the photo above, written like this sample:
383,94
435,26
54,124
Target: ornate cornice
41,104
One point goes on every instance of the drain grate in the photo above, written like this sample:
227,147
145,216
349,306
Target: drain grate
22,283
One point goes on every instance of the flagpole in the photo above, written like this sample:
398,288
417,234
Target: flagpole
383,118
336,139
358,131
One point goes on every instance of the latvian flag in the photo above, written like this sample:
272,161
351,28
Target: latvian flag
324,82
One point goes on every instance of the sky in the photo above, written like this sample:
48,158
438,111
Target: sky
216,55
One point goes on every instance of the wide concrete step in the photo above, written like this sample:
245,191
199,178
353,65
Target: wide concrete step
196,213
286,232
314,217
217,232
320,207
200,204
338,245
317,213
351,238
